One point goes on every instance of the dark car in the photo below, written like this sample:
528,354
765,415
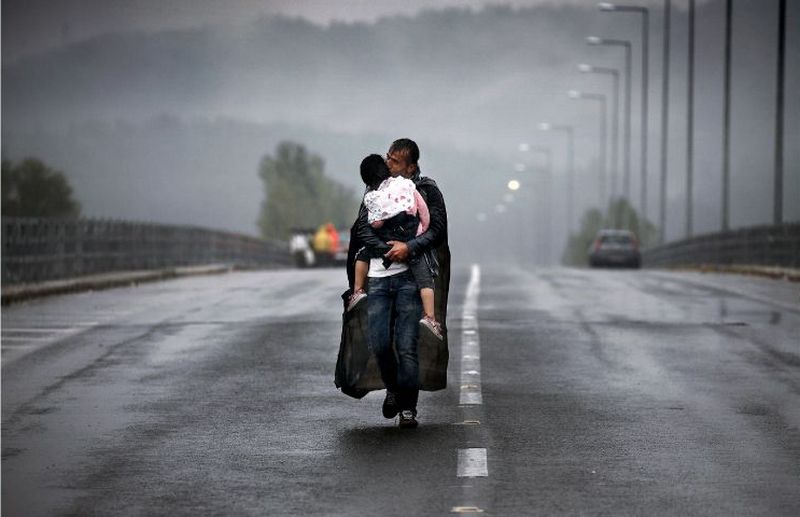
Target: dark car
615,248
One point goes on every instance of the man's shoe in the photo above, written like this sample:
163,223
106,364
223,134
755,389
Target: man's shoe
433,326
408,418
390,408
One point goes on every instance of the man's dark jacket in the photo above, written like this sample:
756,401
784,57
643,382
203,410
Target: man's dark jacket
356,369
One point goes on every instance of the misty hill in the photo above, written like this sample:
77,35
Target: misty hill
345,77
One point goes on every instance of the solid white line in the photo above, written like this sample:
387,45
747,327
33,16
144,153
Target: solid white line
470,343
7,347
472,463
38,338
39,330
24,339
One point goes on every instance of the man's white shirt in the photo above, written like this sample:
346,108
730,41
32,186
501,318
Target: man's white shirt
376,269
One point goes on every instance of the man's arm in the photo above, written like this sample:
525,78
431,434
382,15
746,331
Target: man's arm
438,226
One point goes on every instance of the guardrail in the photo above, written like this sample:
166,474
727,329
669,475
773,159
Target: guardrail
776,246
37,250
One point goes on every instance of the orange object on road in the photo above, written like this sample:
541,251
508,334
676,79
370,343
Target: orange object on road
334,237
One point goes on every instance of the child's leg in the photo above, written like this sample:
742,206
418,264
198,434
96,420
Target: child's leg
362,268
422,275
427,302
359,281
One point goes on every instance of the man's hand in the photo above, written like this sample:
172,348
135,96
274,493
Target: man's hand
399,251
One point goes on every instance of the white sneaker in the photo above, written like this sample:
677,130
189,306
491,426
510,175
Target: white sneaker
433,326
355,299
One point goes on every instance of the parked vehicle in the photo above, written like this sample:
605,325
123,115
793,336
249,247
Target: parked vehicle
615,248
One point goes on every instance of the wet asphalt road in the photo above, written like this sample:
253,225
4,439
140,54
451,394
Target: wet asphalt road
603,393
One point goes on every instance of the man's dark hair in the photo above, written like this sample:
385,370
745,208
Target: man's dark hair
373,171
408,147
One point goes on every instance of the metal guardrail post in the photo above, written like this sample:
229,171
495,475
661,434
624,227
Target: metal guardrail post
777,246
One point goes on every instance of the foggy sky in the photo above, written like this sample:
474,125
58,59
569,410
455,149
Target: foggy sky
180,116
37,25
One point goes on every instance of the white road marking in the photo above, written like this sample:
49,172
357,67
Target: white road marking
472,463
25,339
6,347
38,330
470,343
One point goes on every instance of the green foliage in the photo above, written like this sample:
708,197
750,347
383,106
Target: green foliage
299,195
620,215
32,189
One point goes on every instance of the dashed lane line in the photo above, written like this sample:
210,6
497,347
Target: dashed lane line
472,463
470,343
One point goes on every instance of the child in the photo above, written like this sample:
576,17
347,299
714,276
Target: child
397,212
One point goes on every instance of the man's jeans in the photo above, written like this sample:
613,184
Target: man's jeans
396,298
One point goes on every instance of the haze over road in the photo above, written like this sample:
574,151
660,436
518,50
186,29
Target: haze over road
603,392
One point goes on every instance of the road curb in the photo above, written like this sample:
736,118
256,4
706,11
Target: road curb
776,273
17,293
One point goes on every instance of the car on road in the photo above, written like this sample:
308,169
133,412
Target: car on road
615,248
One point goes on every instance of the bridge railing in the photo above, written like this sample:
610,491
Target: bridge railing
40,249
777,246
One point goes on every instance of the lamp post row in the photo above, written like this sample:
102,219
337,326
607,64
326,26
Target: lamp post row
725,205
725,187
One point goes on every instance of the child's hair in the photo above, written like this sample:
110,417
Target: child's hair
373,171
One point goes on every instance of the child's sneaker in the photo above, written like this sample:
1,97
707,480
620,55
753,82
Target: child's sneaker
432,325
355,298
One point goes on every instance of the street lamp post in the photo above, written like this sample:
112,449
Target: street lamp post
603,137
608,7
570,132
726,122
777,217
614,119
690,124
662,205
546,254
626,179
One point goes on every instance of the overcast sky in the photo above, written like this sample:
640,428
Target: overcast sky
31,26
144,119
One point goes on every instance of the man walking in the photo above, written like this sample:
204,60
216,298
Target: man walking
393,302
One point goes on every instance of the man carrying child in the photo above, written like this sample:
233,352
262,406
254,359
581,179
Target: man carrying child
393,289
